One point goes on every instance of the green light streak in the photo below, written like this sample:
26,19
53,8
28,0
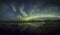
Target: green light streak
39,16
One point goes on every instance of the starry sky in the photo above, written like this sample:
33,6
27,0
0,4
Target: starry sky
12,9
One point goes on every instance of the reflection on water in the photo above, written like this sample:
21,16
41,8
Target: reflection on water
35,26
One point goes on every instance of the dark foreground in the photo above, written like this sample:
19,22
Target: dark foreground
50,30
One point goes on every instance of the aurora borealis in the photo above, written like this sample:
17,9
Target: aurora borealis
29,10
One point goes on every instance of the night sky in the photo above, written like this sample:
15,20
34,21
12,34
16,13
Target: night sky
15,9
27,10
